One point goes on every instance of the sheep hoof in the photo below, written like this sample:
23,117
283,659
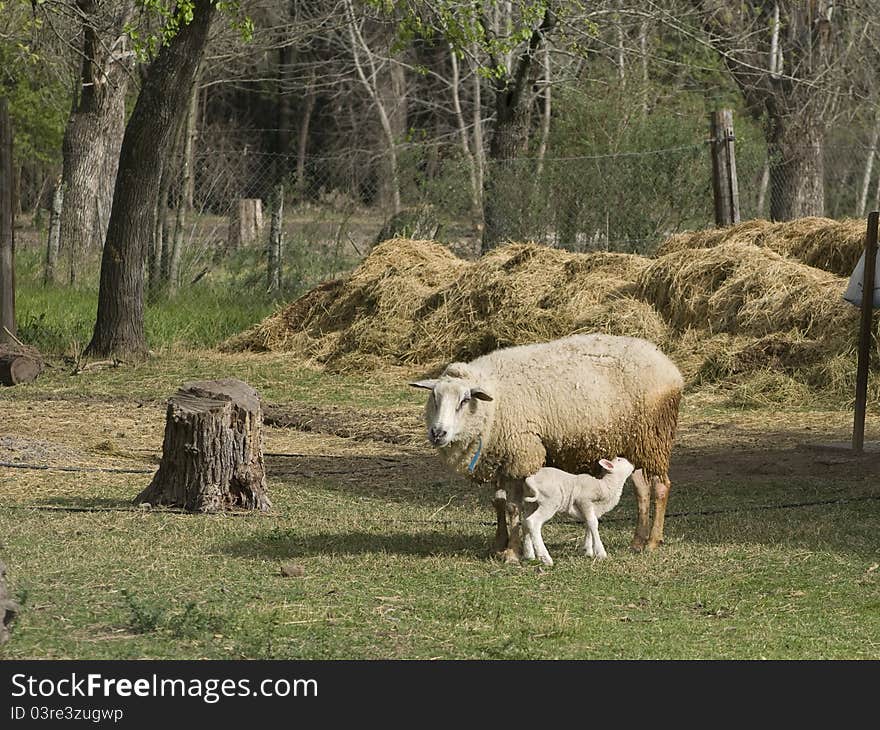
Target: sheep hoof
653,544
637,544
509,556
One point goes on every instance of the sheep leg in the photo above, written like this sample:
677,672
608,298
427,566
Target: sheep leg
660,486
513,552
588,543
593,527
500,504
533,541
643,498
528,544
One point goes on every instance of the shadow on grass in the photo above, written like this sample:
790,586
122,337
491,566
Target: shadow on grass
399,478
287,544
84,503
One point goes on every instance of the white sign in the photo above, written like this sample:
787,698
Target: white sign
853,293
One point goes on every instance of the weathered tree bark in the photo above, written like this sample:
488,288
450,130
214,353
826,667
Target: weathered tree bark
509,139
797,170
119,329
94,130
8,608
212,456
245,222
7,227
17,368
50,273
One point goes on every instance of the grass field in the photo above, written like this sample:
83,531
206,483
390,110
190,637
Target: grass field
771,548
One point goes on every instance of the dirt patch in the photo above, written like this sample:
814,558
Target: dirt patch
397,426
18,450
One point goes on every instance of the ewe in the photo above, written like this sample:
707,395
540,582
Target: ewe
578,495
565,403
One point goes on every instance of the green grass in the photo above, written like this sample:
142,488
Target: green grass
382,581
230,298
395,553
394,557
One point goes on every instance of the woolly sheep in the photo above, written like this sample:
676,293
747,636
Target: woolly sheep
564,403
581,496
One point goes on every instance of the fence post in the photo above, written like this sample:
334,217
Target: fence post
724,182
276,237
7,240
867,318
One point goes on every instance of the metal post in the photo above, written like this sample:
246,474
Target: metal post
858,439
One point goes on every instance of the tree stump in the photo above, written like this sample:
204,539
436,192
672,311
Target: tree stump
245,222
212,456
8,608
19,366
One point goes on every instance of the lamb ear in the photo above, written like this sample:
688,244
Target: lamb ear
606,464
426,384
480,394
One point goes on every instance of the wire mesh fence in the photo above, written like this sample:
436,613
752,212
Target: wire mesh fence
623,201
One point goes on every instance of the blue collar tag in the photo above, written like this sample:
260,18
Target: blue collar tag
473,464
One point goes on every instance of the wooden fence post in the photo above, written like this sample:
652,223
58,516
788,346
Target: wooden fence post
7,240
724,183
276,238
867,318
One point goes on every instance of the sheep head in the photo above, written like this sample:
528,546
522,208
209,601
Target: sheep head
619,466
457,409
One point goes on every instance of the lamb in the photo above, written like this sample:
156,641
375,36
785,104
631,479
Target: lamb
578,495
566,404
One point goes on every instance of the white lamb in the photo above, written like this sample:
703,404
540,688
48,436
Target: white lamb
581,496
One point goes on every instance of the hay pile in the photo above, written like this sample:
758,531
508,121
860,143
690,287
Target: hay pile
745,290
365,317
826,244
727,310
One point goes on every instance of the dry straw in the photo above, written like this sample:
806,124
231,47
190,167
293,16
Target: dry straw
729,310
823,243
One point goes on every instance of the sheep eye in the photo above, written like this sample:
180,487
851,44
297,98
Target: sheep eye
463,401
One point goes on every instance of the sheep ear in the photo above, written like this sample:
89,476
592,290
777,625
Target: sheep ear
426,384
480,394
606,464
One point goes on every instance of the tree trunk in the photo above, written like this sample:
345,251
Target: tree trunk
302,143
190,132
869,166
797,170
50,274
93,134
119,329
157,264
17,367
7,228
501,210
501,213
212,455
245,222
